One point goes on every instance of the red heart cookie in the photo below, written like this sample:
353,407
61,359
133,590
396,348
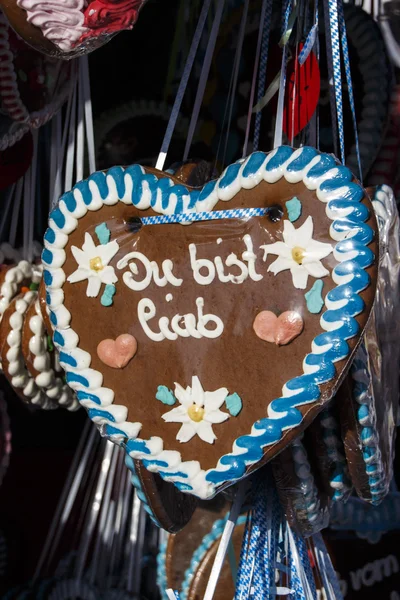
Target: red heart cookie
185,272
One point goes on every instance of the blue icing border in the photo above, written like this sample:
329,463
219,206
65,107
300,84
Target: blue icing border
133,186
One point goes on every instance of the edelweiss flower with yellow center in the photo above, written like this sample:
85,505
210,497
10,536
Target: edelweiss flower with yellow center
198,411
93,265
299,253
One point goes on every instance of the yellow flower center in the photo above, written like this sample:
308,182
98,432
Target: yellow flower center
196,413
298,254
96,264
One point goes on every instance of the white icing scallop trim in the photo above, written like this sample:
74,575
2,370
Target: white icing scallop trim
49,380
17,372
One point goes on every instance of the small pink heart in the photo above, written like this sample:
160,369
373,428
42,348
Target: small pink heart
117,353
279,330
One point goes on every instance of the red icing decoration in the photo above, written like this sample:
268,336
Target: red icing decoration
302,93
15,161
111,16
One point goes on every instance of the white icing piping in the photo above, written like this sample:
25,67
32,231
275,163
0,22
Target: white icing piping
17,371
48,380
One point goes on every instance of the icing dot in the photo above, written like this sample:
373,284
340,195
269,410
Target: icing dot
219,241
169,297
196,413
298,254
96,264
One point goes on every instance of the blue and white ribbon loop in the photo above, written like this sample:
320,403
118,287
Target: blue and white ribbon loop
235,213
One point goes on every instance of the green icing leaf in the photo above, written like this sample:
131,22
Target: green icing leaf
108,294
50,346
165,395
103,233
234,404
294,209
314,297
34,287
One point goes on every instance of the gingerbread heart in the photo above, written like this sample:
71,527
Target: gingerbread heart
205,400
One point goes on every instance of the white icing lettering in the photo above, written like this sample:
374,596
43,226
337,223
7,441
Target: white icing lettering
152,272
250,258
193,327
201,263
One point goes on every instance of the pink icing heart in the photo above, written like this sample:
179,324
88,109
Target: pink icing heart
279,330
117,353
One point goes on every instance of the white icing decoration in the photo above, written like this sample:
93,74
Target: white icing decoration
20,378
86,257
47,379
169,297
193,327
13,279
152,272
309,252
217,267
219,241
203,406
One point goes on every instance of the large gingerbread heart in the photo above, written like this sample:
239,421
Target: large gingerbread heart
204,400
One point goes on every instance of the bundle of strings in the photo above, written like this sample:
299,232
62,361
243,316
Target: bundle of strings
274,559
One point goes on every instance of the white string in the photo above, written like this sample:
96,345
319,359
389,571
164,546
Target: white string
182,86
254,81
204,77
69,167
84,65
80,129
238,57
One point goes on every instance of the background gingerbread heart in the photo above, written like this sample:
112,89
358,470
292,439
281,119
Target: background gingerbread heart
205,400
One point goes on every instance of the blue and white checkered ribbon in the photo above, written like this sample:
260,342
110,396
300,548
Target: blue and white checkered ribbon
337,70
310,41
235,213
346,60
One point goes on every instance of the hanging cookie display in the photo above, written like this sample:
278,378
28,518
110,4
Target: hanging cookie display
182,306
32,87
68,28
368,399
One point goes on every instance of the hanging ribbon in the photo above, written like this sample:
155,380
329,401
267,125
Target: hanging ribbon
346,60
204,77
282,83
266,25
333,33
310,41
182,86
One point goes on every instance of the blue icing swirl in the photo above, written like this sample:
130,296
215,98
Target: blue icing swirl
165,395
293,207
314,297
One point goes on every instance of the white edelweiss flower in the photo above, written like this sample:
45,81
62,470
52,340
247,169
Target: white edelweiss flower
93,265
198,411
299,253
